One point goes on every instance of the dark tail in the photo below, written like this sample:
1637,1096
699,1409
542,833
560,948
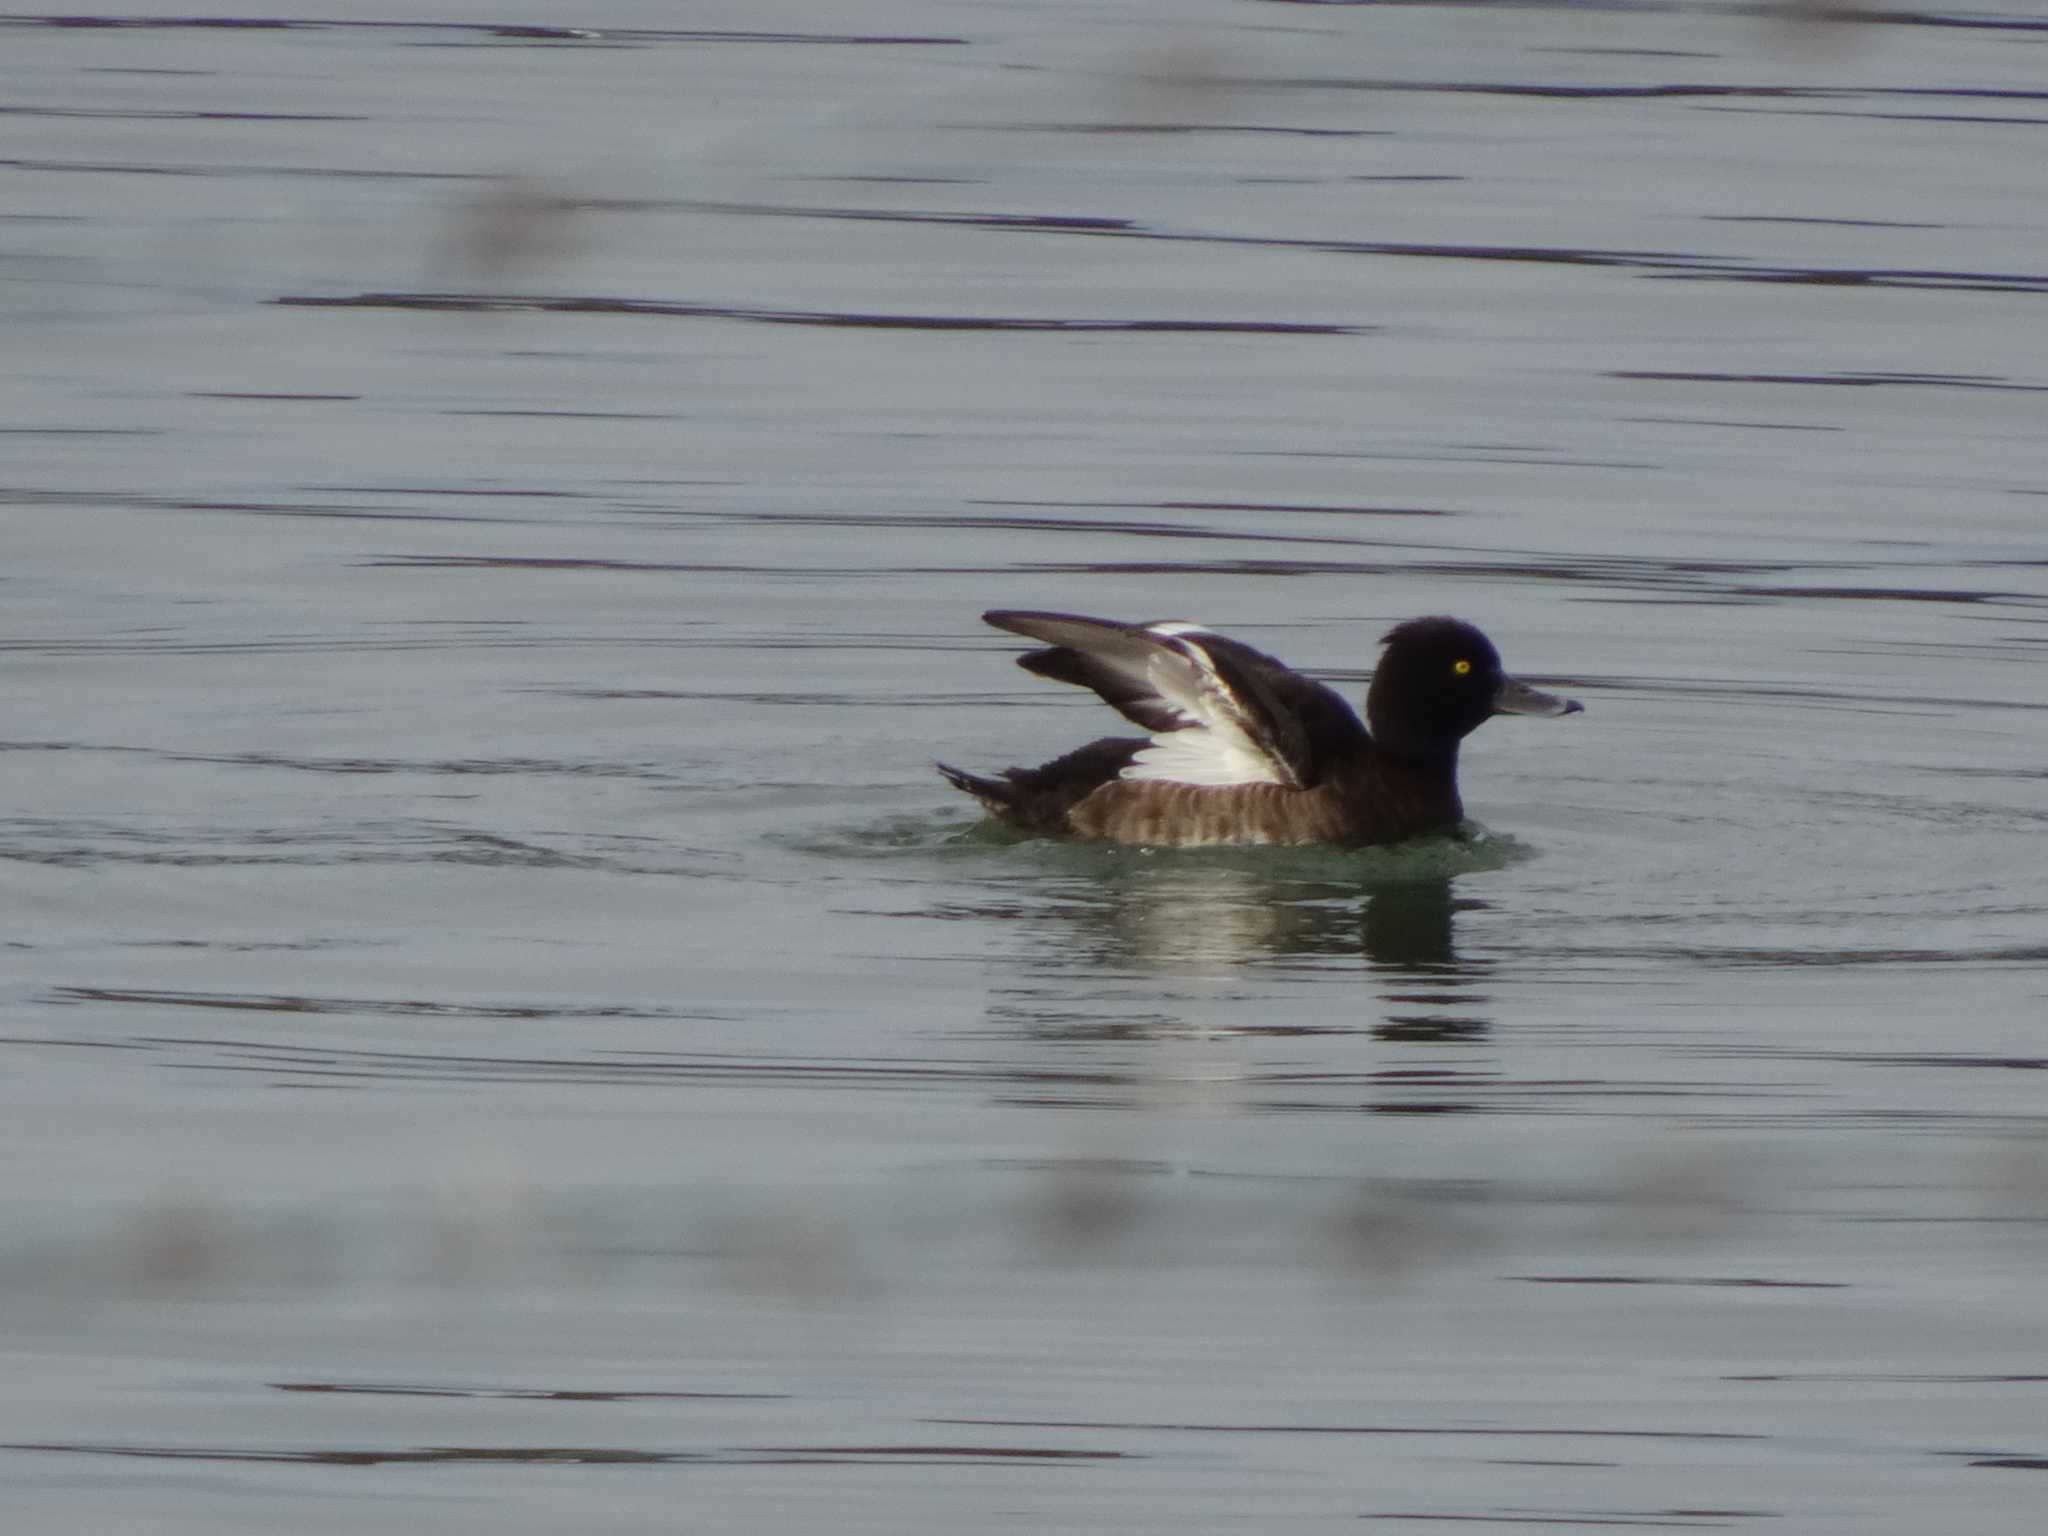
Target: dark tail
999,795
1038,799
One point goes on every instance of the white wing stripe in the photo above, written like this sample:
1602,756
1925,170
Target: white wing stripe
1213,748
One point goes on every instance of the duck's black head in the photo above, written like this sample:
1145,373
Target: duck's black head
1438,680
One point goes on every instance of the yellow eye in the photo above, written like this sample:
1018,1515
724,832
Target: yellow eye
1461,666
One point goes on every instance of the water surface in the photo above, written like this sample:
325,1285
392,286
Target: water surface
503,1027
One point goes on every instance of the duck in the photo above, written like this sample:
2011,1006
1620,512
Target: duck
1244,750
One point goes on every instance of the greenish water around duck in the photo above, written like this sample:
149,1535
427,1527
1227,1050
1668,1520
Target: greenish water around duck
504,1029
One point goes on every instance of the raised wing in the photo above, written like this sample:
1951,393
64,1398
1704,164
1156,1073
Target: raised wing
1219,712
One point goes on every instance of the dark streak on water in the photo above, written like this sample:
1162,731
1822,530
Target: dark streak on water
519,1394
1532,1432
558,1455
1856,380
1710,1281
479,303
479,30
1647,263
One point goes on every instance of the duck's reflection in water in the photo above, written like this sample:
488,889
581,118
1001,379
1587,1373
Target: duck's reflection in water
1194,929
1429,993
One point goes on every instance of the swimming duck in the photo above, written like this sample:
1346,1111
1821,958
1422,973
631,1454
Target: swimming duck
1244,749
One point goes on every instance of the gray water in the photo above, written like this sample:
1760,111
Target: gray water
504,1031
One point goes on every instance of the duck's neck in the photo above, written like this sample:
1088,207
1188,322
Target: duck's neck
1428,756
1409,792
1402,725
